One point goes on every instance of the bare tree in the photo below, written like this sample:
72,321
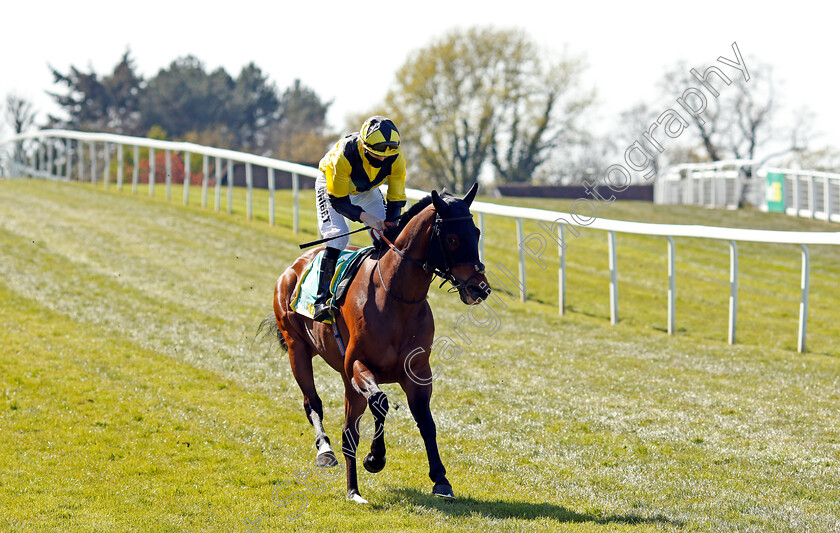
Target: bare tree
739,121
632,123
20,114
540,120
580,161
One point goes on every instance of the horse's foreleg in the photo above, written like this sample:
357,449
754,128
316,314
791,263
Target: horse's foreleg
419,397
365,383
354,406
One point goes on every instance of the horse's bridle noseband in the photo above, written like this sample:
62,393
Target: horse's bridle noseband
442,271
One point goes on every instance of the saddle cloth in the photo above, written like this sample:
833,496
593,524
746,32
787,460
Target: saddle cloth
348,263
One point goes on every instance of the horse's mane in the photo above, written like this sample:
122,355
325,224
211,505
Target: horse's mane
416,208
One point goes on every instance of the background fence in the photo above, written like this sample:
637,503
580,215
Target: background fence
95,157
729,184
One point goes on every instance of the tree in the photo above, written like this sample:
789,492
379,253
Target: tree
739,122
632,123
580,161
541,118
254,109
185,98
109,104
20,114
483,96
187,101
302,133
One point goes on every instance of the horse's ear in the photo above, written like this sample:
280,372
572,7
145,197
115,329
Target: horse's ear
470,196
440,205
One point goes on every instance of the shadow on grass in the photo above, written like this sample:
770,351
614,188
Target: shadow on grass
502,509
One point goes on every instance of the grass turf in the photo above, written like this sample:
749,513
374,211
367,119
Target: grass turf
135,398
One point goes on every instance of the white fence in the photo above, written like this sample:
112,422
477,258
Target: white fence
65,155
805,193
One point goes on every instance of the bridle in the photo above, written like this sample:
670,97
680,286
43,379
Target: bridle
442,271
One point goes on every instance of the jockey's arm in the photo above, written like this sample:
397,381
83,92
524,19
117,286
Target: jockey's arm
393,210
346,209
338,191
395,196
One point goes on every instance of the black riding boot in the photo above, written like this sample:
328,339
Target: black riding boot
321,311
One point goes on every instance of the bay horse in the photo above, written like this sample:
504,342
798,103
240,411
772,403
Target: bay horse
384,318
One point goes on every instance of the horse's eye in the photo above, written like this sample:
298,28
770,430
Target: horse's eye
452,241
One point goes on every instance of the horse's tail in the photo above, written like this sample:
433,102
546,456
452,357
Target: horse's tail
268,328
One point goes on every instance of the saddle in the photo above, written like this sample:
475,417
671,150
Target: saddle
347,265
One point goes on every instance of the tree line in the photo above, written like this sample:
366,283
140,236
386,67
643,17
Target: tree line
185,101
474,102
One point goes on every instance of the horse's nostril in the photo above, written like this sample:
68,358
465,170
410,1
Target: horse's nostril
478,293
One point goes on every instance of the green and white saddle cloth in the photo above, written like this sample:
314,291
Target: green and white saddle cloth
348,263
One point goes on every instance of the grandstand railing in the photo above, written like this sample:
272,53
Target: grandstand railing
66,155
806,193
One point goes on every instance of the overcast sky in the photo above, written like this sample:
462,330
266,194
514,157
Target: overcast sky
349,51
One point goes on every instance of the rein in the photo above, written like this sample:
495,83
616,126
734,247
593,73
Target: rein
444,273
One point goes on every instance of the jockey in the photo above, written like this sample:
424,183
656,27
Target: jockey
348,188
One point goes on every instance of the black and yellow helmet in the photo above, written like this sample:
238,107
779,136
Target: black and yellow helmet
380,136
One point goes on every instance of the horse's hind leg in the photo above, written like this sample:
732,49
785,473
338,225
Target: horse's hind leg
300,356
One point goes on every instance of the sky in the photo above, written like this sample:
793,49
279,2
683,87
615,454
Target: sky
348,52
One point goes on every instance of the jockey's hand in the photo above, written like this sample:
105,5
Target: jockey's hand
372,221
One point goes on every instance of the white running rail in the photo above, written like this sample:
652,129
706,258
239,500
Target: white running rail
60,154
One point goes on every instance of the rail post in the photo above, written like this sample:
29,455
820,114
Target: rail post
561,273
270,196
803,304
218,185
295,203
187,177
50,159
230,186
120,163
80,146
106,172
249,185
151,172
135,171
733,289
68,145
168,175
520,238
613,278
92,163
672,285
205,178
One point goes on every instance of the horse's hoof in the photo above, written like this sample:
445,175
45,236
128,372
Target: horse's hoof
442,490
372,464
326,460
353,495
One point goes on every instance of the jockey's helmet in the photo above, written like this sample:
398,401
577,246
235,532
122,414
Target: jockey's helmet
380,136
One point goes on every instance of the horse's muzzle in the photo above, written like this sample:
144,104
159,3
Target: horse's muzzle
473,293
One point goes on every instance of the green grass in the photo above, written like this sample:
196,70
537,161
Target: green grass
134,397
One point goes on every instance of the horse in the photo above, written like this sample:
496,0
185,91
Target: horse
389,327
